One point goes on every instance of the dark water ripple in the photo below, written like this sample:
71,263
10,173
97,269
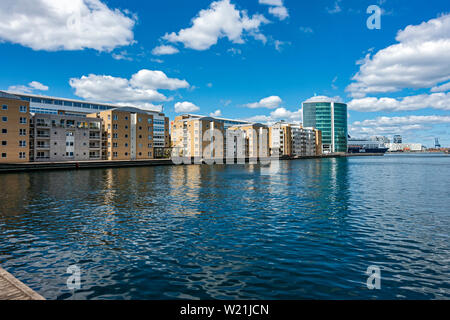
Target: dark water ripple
226,232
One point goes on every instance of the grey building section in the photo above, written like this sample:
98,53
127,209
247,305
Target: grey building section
65,138
303,142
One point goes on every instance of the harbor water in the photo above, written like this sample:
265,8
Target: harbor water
310,230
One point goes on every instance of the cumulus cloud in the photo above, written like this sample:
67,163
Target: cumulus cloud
164,50
396,125
186,107
150,79
139,91
442,88
220,20
32,86
419,60
277,8
271,102
277,115
216,113
409,103
54,25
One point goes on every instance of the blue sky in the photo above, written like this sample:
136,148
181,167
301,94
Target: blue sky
252,59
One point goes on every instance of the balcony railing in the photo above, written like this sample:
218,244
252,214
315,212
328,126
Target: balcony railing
43,146
43,136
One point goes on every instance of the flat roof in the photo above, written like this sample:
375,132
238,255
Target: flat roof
7,95
30,95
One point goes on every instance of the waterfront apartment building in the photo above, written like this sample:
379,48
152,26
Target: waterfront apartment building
59,137
306,142
129,134
198,137
330,117
14,129
247,141
280,139
53,105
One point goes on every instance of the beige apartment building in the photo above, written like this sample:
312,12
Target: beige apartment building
14,129
280,139
247,141
128,134
65,138
198,137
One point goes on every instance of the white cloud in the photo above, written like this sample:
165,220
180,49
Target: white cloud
442,88
123,55
164,50
409,103
277,115
186,107
220,20
407,120
396,125
277,8
419,60
139,91
54,25
216,113
209,85
32,86
306,30
271,102
150,79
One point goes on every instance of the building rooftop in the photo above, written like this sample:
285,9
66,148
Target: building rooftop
8,95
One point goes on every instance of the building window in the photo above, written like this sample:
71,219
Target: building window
22,155
140,153
140,119
126,154
126,136
4,131
4,107
22,143
115,126
150,121
23,132
109,117
4,143
115,154
5,119
115,135
23,109
23,120
115,117
3,155
126,145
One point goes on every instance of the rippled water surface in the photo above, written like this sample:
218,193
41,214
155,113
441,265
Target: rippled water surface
225,232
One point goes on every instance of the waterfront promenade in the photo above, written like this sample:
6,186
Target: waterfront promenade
13,289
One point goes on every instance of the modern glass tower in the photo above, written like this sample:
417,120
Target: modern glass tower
330,117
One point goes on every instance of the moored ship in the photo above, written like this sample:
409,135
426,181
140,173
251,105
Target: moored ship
366,146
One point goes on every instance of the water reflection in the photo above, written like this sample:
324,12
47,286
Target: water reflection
309,230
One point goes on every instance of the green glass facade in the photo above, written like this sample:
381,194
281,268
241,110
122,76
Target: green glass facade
326,116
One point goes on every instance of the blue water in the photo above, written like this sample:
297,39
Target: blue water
309,231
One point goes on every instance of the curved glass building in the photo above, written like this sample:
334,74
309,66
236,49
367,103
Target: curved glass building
330,117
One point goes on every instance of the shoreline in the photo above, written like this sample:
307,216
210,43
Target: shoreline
105,164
